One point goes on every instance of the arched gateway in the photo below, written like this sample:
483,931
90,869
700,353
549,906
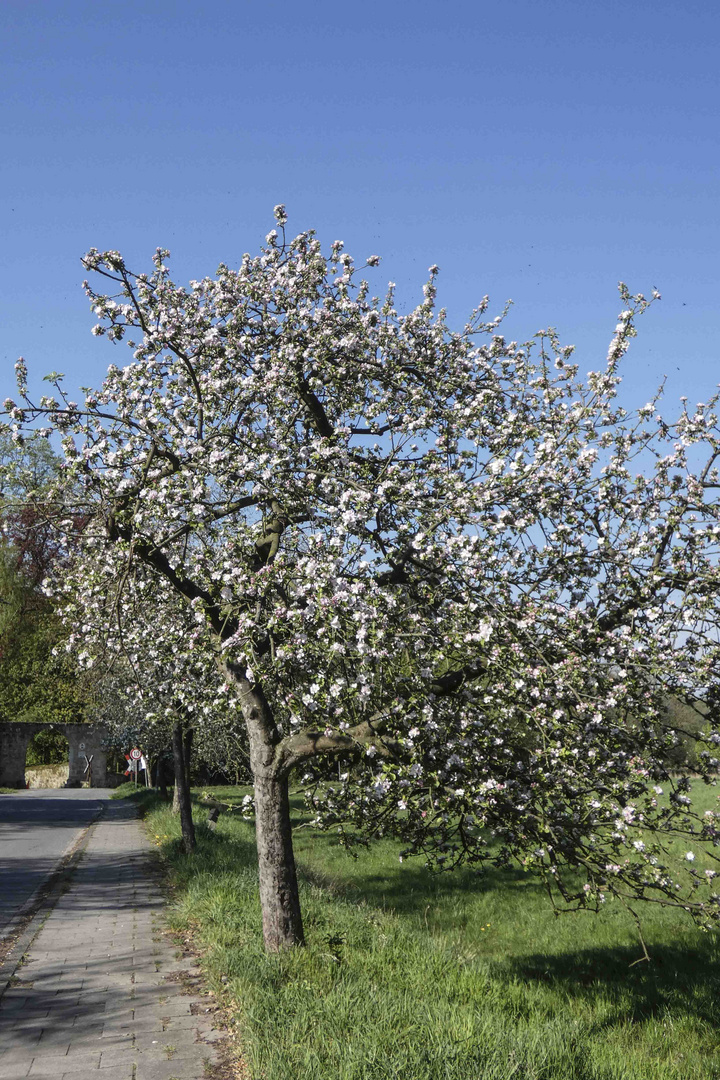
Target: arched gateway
85,741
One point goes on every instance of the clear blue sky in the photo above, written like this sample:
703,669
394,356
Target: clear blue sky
538,150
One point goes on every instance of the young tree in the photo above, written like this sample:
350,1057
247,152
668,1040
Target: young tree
418,552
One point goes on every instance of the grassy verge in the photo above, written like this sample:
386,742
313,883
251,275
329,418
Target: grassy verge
144,798
124,791
9,790
455,977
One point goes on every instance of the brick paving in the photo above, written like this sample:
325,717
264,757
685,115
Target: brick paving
101,994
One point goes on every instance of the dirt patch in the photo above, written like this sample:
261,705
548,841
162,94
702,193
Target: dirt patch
198,1008
177,976
227,1067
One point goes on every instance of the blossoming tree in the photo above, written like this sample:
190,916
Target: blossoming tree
422,560
125,623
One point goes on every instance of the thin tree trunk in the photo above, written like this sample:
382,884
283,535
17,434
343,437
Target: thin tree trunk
161,777
279,899
187,748
176,791
182,789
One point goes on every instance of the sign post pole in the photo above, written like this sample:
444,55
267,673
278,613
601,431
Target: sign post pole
135,756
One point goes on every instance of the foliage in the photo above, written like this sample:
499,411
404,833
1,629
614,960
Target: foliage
47,748
222,750
35,685
440,977
688,721
25,466
38,683
435,556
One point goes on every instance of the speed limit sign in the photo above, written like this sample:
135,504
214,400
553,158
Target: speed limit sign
135,754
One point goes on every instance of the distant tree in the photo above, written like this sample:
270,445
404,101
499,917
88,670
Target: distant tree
26,465
38,680
48,747
123,628
433,563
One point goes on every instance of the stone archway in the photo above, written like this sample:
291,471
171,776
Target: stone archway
84,741
46,761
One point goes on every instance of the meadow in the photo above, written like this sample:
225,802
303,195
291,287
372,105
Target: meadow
413,975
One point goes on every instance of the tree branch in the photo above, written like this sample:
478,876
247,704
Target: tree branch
309,744
322,424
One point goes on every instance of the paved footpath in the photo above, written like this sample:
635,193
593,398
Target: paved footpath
101,994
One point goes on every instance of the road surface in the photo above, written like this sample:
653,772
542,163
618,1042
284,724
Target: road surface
36,828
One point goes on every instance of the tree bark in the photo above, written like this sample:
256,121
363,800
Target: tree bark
279,899
182,789
187,748
161,778
176,790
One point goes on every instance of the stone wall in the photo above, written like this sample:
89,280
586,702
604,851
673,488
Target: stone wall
83,740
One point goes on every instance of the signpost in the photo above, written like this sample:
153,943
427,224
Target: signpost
135,761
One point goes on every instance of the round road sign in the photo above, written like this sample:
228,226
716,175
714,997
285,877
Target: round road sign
136,754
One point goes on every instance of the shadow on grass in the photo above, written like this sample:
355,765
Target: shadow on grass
215,851
684,979
410,890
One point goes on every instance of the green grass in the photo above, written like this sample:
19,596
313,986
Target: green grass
128,790
9,790
122,791
454,977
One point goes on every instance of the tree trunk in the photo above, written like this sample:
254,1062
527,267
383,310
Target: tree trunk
161,778
182,789
176,791
187,748
279,899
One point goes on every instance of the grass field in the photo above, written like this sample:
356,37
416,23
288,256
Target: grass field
455,977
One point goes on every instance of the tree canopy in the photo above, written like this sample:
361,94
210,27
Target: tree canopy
436,556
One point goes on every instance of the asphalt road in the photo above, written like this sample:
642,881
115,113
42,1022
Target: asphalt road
37,827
